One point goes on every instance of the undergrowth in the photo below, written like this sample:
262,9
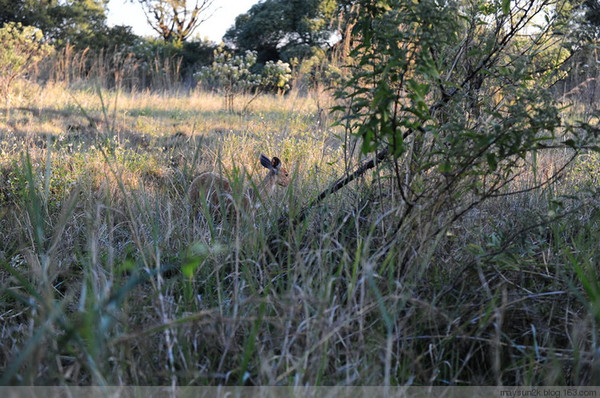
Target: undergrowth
108,277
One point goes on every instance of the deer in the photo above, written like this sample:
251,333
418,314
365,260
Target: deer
216,192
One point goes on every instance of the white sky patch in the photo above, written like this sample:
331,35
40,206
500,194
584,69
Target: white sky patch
224,12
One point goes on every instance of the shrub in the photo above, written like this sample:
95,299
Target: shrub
230,74
457,108
234,75
276,76
23,47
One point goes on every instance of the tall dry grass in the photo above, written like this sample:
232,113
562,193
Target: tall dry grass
109,278
124,69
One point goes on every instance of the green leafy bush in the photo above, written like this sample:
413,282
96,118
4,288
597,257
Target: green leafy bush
276,76
318,71
458,106
230,74
585,173
235,75
23,47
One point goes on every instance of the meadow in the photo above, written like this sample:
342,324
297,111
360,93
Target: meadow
108,276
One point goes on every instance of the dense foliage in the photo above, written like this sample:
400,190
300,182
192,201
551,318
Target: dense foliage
88,47
23,48
235,75
456,96
80,23
282,29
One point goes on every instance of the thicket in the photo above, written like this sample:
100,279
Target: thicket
457,103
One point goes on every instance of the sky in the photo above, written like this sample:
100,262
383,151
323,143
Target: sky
125,12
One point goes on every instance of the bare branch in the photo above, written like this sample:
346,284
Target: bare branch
174,20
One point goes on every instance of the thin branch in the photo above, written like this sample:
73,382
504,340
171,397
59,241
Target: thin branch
342,182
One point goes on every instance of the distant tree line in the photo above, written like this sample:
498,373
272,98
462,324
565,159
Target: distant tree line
78,23
313,36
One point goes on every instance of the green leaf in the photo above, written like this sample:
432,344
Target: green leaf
492,161
445,167
505,7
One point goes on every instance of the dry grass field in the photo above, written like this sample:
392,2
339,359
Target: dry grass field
108,276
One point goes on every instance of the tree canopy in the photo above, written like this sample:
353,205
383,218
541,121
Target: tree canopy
77,22
174,20
283,29
590,21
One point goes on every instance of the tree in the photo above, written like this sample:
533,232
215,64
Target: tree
588,23
71,21
173,20
22,49
282,29
449,99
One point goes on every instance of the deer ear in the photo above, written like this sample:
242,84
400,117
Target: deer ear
276,163
265,162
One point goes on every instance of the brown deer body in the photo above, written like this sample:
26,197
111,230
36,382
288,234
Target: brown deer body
217,192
